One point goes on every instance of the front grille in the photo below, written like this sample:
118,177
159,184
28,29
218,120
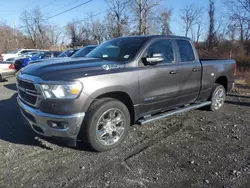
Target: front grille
27,98
26,85
27,92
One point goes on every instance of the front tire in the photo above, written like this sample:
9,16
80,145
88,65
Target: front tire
105,125
218,97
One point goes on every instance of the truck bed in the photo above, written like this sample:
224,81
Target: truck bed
213,69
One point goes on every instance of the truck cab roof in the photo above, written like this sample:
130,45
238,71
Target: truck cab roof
158,36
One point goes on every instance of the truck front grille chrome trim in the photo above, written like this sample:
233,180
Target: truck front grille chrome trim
27,90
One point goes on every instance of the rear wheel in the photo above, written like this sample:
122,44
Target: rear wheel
218,97
105,125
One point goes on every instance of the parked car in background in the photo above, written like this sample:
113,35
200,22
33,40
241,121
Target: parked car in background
68,53
6,70
22,62
18,53
23,56
82,52
125,80
30,54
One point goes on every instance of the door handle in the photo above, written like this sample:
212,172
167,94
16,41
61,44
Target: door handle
195,69
173,72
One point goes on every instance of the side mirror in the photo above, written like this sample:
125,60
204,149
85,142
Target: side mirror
155,59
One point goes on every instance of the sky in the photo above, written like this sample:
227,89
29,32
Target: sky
11,10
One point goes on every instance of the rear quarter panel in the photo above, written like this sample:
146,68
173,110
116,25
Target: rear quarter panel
211,71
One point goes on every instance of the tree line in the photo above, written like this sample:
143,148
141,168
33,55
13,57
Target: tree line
227,34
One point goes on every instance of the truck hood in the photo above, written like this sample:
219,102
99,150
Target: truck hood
71,68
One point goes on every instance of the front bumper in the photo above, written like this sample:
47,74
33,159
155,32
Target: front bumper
39,123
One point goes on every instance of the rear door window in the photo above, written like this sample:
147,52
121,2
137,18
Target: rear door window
185,50
25,51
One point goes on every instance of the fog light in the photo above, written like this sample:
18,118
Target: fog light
58,124
52,124
64,125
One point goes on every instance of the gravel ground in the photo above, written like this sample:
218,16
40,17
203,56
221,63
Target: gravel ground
196,149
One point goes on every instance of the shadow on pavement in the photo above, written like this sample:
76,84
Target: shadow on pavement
11,86
13,128
237,95
238,103
6,79
3,80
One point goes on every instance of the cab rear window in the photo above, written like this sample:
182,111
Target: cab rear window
186,51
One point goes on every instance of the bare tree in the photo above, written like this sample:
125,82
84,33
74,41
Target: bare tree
245,5
9,37
76,31
239,15
33,27
117,14
232,29
54,34
39,31
190,15
110,27
165,17
211,39
97,30
142,11
199,30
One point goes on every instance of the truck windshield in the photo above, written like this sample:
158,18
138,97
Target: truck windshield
120,49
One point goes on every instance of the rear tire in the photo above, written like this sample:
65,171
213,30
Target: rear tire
218,97
105,125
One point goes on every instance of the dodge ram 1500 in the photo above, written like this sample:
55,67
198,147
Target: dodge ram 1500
125,80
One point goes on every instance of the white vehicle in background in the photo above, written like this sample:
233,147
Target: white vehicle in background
6,70
19,53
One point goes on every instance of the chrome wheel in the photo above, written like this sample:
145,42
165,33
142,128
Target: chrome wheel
110,126
219,99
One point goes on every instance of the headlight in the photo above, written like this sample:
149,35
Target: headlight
61,91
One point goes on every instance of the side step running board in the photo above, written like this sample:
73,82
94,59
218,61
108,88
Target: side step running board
172,112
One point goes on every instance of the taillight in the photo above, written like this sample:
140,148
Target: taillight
12,66
235,69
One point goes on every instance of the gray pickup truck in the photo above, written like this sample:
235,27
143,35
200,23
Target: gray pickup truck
123,81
